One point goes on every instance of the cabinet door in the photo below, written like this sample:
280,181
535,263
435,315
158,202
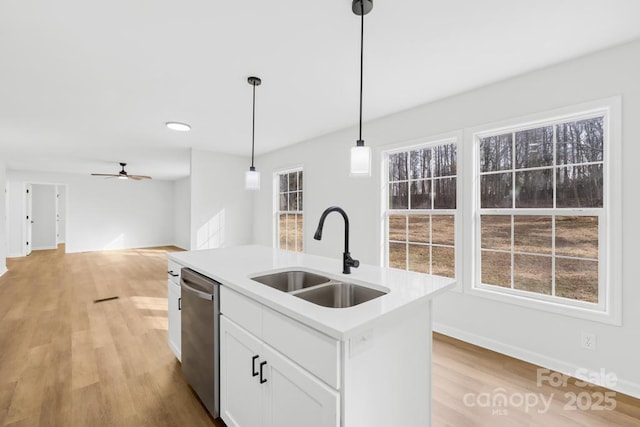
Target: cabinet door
295,397
174,318
241,394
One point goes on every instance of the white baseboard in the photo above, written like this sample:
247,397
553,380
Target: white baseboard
567,368
44,248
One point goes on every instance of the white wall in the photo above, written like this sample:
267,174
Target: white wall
62,215
4,224
15,212
44,217
103,213
182,213
221,209
543,338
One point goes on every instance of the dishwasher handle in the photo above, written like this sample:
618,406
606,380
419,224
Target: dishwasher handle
199,294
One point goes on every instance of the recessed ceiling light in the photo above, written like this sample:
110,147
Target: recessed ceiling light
181,127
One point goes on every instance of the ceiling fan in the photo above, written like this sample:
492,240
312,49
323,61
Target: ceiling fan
122,174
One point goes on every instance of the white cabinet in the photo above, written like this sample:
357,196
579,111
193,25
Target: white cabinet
173,308
240,388
259,387
294,397
379,376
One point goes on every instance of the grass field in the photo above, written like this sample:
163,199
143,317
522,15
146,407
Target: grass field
291,232
425,243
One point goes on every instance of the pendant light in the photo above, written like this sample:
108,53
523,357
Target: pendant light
252,177
361,155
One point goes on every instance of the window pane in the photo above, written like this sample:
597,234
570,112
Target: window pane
398,167
419,228
577,236
291,232
284,186
282,231
284,202
444,193
444,160
580,142
420,161
496,268
420,196
579,187
577,279
398,195
443,230
419,258
534,148
532,234
532,273
496,153
300,180
293,201
299,234
534,189
300,201
443,261
495,190
398,255
398,227
496,232
293,181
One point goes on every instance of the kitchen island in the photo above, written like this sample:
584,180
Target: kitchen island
285,361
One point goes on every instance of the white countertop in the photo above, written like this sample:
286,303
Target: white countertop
233,267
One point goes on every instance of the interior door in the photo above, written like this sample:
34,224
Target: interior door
28,219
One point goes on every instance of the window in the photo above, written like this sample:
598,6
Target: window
541,199
420,213
289,215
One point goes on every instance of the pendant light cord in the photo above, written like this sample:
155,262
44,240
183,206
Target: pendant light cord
361,63
253,127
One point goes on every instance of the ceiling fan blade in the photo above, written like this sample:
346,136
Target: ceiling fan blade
103,174
139,177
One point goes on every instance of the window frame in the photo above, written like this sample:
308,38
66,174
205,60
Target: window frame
276,205
608,308
385,211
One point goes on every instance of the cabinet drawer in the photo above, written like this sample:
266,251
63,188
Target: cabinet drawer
242,310
173,271
314,351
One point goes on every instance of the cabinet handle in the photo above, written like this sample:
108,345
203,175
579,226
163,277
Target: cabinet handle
172,274
254,373
262,380
179,303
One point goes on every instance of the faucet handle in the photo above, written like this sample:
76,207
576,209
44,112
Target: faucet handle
350,262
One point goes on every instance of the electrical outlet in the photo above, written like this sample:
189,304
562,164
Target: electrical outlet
588,341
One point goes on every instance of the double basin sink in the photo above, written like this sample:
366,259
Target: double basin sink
318,289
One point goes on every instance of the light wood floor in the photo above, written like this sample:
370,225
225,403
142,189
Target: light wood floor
65,361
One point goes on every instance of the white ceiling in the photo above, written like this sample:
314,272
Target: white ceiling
87,84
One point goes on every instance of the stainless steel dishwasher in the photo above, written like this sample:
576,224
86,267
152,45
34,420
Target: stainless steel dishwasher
201,337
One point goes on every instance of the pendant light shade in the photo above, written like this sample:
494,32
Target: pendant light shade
252,177
361,155
360,161
252,180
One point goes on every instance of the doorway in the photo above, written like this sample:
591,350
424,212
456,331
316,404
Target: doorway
45,206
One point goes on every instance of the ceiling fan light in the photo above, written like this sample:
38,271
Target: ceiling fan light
252,180
180,127
361,161
123,177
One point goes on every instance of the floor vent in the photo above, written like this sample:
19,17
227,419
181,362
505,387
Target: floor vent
95,301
